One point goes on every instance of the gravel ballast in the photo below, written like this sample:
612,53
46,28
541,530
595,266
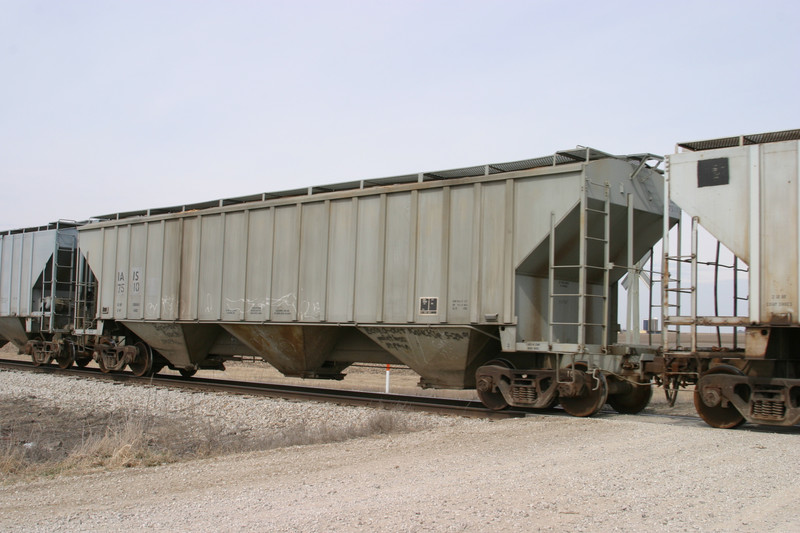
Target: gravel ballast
426,473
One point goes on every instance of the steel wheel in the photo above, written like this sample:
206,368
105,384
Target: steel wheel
493,400
718,416
633,401
143,362
595,396
66,355
553,403
188,372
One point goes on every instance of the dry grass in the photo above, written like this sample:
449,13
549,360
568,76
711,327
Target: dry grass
123,445
379,422
39,440
60,442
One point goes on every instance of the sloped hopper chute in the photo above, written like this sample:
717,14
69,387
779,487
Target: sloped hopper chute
13,328
445,357
182,344
294,350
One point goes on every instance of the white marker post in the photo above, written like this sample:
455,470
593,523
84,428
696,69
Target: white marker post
388,369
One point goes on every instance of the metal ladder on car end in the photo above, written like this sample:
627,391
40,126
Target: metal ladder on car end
594,216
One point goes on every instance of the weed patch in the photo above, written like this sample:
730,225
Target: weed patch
37,439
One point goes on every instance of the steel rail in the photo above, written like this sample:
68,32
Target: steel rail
469,408
447,406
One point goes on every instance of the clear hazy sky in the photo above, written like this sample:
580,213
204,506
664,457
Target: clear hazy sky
110,106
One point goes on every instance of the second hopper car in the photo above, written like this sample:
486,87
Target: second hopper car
500,277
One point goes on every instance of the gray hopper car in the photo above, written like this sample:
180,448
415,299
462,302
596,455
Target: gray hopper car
745,191
39,299
442,272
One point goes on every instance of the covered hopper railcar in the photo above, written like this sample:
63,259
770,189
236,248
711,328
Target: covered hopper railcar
42,298
744,191
506,272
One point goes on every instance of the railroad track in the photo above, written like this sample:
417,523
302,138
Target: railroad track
468,408
448,406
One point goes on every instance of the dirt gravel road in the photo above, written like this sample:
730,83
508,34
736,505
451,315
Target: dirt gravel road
541,473
610,473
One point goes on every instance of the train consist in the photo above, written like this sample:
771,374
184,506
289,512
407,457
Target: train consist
503,278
